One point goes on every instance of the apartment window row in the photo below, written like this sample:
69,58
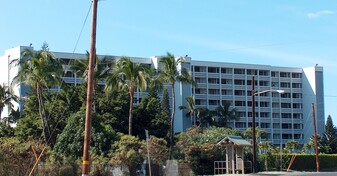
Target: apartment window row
287,115
286,74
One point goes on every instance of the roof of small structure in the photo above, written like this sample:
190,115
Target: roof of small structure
236,140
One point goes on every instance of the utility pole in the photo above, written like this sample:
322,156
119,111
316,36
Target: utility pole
315,135
253,126
88,113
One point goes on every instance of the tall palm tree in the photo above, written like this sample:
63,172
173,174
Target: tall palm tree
102,69
6,97
225,114
170,75
39,70
190,108
129,75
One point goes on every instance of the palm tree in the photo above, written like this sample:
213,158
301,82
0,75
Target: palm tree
6,96
102,69
130,75
204,115
171,75
39,70
225,114
190,108
291,146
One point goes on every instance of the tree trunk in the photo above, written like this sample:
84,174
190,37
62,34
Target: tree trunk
172,121
45,127
132,91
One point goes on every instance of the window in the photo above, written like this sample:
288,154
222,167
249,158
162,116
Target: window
250,114
297,95
286,136
286,115
226,81
240,125
213,80
239,71
251,72
276,136
239,92
298,126
214,102
274,84
276,115
264,114
265,125
297,85
297,116
298,136
199,69
249,103
200,80
226,70
297,105
226,92
241,114
285,84
285,74
276,125
240,103
249,82
239,82
286,125
213,70
276,105
214,91
200,91
264,83
200,102
264,72
285,105
264,104
274,74
297,75
286,95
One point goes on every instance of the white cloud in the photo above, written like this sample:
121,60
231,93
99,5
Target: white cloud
320,13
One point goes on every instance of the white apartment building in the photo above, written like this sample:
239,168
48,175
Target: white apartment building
284,116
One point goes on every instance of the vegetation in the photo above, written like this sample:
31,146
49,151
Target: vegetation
52,123
170,75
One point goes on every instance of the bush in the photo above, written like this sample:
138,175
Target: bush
302,162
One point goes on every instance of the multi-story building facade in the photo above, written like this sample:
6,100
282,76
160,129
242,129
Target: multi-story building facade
284,117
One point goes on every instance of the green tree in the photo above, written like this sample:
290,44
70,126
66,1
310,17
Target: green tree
259,133
130,75
265,146
69,144
102,69
170,75
39,70
291,146
329,137
204,117
191,109
7,97
225,114
149,115
126,152
200,149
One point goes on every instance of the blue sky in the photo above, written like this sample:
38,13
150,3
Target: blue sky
280,32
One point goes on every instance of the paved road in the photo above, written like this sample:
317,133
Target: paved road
291,173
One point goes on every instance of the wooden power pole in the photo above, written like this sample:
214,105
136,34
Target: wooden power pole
315,135
88,113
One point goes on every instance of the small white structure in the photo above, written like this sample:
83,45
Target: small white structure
234,155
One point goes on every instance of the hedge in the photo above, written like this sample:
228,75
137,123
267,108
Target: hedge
302,162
